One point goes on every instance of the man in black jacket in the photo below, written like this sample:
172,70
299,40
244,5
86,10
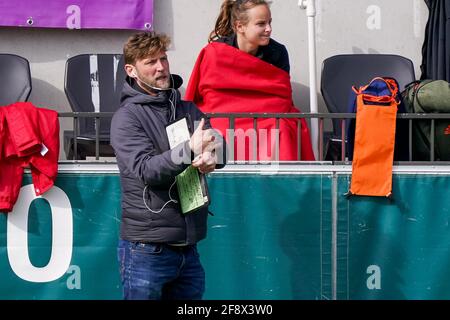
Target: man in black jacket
157,247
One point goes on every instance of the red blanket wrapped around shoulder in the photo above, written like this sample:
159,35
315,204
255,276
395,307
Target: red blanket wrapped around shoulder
228,80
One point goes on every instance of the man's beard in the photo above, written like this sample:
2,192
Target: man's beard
163,83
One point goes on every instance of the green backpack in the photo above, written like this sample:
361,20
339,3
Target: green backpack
429,96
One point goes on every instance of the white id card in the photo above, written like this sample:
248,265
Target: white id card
178,132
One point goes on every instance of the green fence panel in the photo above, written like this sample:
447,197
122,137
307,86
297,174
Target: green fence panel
92,268
398,249
269,237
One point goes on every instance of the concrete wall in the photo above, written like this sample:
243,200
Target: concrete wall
343,26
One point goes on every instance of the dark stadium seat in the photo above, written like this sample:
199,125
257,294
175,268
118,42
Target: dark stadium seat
341,72
93,83
15,79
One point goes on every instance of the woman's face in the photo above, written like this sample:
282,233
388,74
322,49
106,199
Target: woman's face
258,29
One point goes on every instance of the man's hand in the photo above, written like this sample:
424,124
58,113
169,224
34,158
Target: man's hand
201,139
205,162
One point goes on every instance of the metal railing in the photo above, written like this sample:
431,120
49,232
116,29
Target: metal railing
322,117
97,116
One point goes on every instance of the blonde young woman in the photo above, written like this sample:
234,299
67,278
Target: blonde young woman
243,70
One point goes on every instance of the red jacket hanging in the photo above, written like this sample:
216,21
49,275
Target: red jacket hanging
228,80
29,136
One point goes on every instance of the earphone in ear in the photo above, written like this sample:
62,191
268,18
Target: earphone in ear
133,74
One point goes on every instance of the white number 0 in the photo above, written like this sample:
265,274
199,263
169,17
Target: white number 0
62,236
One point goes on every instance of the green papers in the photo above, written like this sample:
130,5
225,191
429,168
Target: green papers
192,190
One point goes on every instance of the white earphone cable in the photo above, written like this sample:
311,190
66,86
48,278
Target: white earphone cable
165,204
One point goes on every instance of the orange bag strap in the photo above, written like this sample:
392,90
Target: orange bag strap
391,84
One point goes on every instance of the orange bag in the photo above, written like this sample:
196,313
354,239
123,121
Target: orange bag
373,153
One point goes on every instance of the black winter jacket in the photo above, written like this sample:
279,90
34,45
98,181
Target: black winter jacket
143,155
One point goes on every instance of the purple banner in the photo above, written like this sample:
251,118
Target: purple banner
78,14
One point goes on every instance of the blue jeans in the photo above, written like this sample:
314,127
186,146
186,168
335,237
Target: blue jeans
160,272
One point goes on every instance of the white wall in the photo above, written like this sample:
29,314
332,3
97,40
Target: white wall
343,26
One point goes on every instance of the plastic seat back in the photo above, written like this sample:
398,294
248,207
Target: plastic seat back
15,79
341,72
93,83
